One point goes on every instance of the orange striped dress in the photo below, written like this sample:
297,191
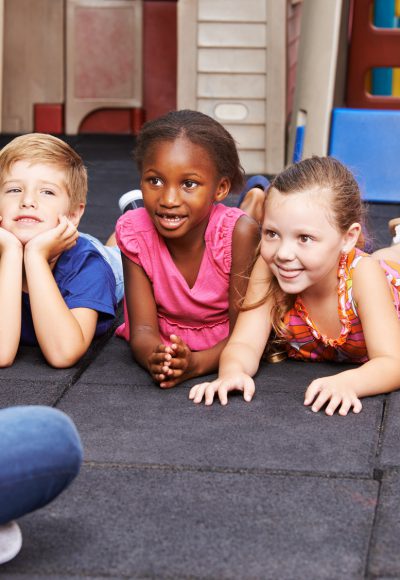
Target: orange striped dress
305,342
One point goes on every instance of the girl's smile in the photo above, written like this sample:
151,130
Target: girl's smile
170,221
180,184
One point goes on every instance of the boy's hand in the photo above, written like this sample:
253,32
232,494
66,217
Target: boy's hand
7,239
237,382
52,243
330,389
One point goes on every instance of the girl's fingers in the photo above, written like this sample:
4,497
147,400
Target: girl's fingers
320,401
222,395
249,390
311,392
357,405
333,404
345,408
197,392
210,391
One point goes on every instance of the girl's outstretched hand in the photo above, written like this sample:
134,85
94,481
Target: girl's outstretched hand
338,396
238,382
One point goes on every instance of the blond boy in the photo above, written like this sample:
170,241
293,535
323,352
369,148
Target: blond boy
67,287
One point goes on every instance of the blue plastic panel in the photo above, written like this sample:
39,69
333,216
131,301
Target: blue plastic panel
368,142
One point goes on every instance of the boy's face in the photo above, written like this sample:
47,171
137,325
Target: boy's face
32,197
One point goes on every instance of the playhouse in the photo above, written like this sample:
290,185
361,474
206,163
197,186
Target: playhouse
288,78
76,66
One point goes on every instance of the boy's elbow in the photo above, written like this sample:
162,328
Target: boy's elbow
8,352
63,360
6,360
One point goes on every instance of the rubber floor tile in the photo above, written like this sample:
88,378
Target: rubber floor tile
161,523
148,425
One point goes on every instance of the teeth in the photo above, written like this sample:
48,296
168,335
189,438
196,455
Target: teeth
172,218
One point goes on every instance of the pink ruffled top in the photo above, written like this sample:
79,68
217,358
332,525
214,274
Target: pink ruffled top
199,315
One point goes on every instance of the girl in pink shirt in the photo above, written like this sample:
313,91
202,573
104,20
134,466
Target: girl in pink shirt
186,258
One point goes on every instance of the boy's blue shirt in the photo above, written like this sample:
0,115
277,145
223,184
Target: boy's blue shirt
85,280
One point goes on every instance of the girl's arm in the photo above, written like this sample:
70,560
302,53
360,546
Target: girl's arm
11,253
381,327
63,335
187,364
241,357
144,338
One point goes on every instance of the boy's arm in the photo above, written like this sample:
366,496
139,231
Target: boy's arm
63,335
11,253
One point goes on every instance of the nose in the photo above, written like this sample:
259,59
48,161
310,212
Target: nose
285,251
170,197
28,199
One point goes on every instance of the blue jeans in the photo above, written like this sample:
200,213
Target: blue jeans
40,454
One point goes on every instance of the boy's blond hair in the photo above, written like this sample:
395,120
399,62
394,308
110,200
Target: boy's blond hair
43,148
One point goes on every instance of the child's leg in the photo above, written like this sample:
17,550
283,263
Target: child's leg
252,198
110,251
40,454
392,253
112,255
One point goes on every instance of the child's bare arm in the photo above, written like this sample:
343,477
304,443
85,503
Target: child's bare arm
144,340
381,327
11,253
241,357
63,335
245,240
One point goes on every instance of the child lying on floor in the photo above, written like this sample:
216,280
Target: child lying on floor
186,257
68,289
324,298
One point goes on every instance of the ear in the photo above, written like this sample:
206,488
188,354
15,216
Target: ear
223,188
75,214
350,238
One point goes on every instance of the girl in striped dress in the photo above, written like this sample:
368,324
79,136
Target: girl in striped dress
319,294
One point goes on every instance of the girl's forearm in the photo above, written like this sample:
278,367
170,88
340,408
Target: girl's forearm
204,362
377,376
144,342
238,357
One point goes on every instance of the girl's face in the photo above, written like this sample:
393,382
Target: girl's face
300,242
180,184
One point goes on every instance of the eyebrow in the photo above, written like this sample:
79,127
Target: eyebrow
186,175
